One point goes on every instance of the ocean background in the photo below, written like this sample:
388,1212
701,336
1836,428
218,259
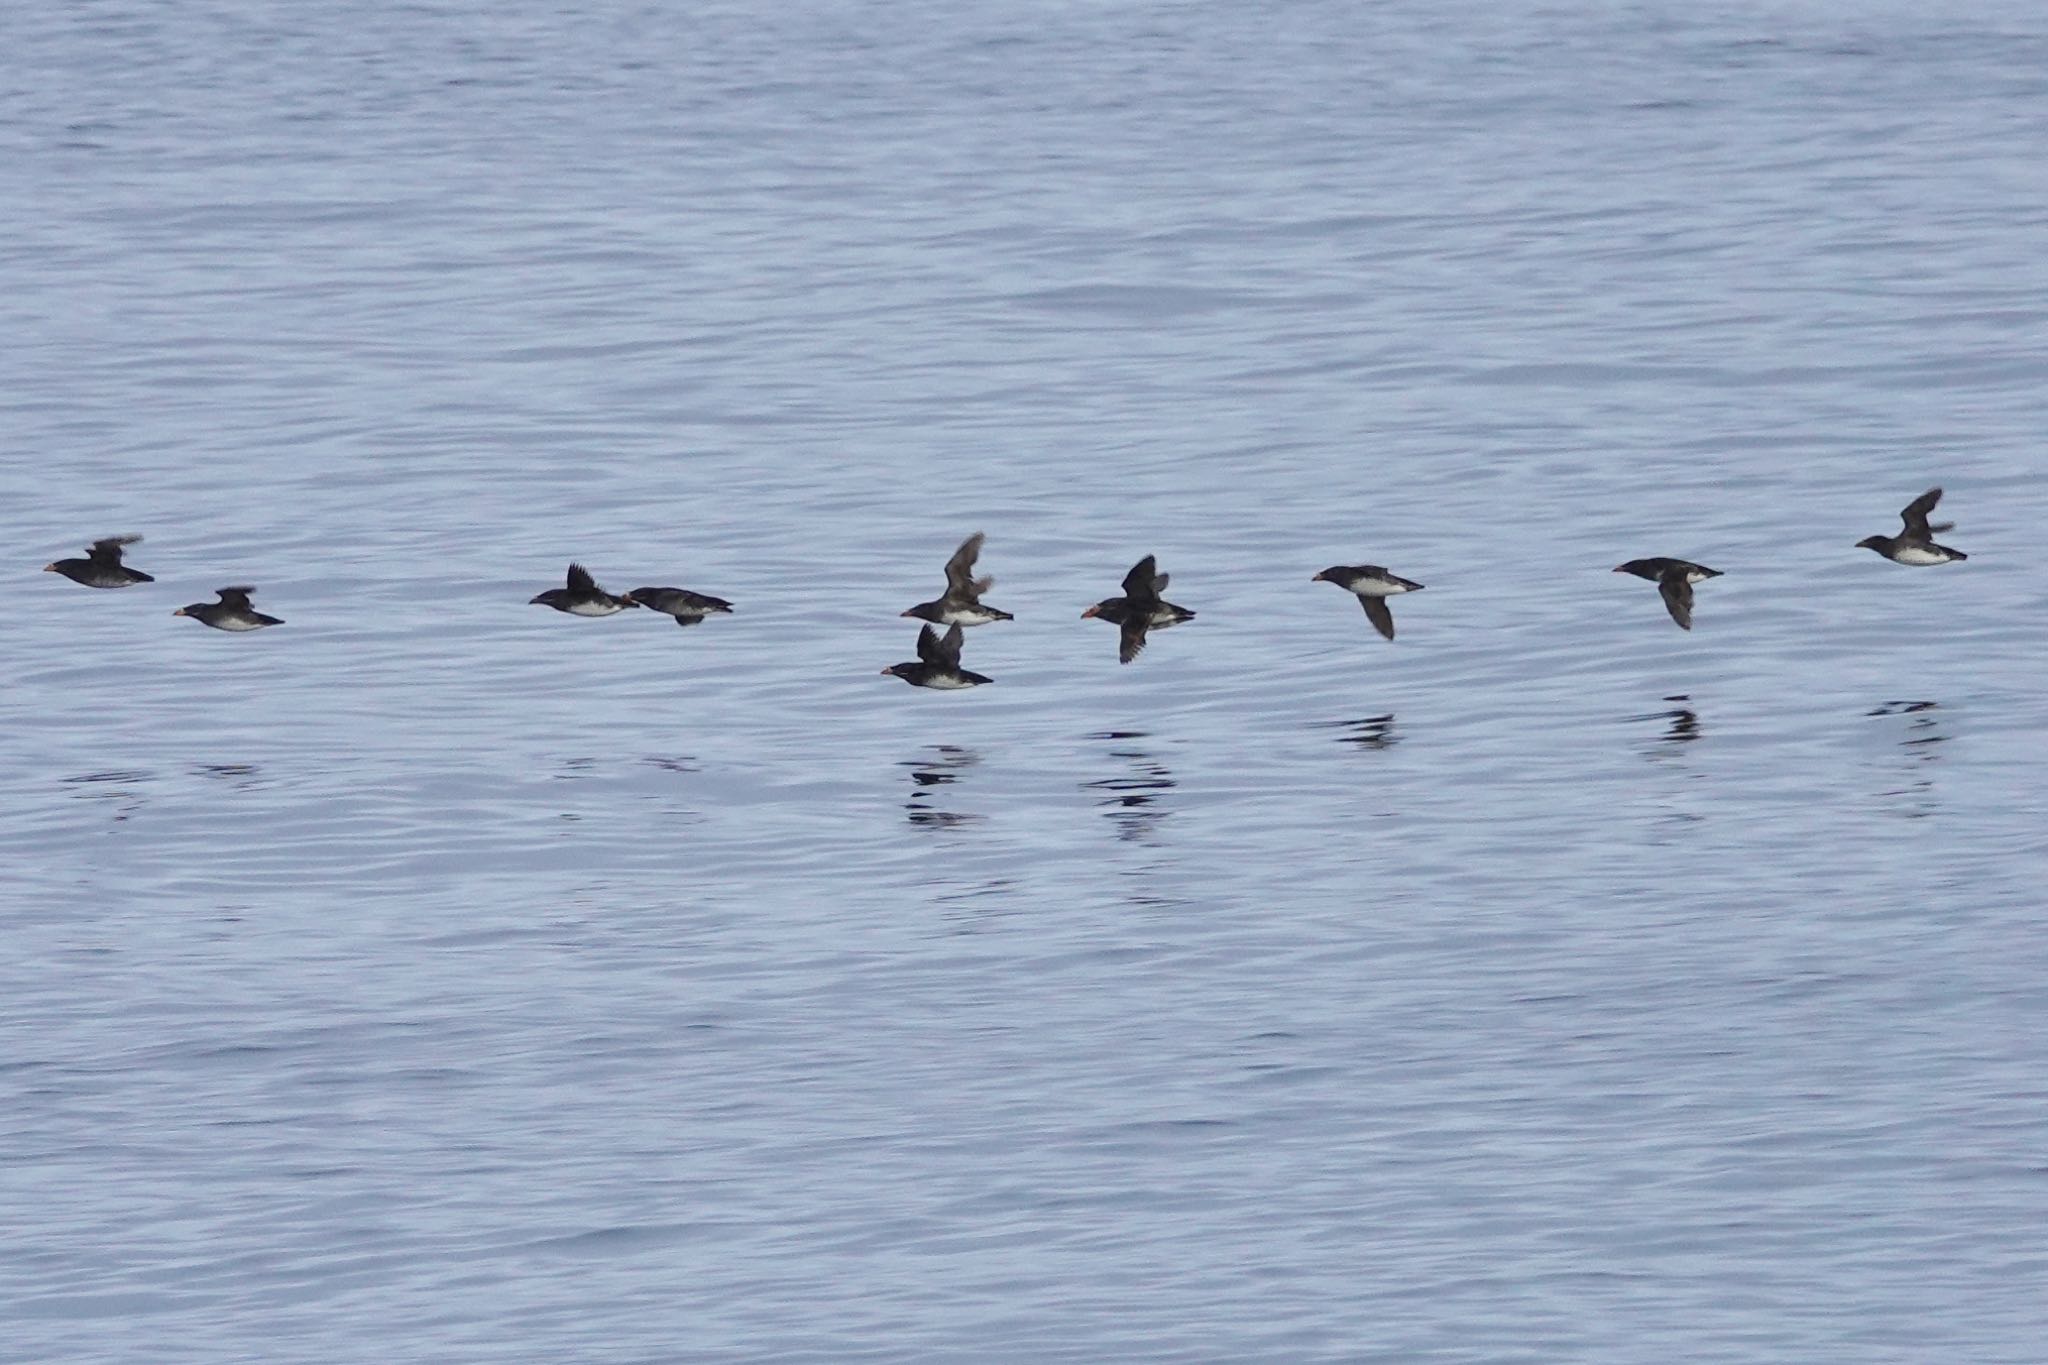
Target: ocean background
440,978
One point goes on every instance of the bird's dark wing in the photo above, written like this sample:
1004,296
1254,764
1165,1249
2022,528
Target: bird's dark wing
1131,641
960,568
949,648
237,596
580,579
1141,583
107,550
1677,595
1915,514
1377,612
929,650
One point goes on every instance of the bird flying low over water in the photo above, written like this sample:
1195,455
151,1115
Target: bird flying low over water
960,604
1374,586
1140,609
582,597
1674,579
1914,544
938,663
102,566
687,607
232,612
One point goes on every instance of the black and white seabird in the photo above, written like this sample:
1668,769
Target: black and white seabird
1674,579
687,607
961,605
582,597
1373,585
232,612
102,566
938,663
1915,544
1140,609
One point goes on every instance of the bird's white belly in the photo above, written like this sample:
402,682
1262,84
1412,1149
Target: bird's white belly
1913,554
594,609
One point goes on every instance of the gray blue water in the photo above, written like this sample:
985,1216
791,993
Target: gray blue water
440,978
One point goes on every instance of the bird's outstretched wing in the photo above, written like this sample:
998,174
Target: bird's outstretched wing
1142,584
960,568
1677,595
1377,612
1915,514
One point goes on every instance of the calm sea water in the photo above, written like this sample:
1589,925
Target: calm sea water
441,978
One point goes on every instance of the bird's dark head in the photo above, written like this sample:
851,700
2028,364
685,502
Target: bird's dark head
1322,577
897,670
1095,610
543,599
1876,543
921,612
182,611
1636,567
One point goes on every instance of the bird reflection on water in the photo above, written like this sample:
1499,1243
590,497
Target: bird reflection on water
121,787
1133,795
241,776
1370,733
1681,727
1920,742
930,775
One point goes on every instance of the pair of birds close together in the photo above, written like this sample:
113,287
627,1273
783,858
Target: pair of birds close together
1913,545
937,664
102,568
582,597
1140,609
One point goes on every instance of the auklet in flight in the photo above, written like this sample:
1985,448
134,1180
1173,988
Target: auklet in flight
961,603
938,663
1374,586
232,612
1915,544
582,597
1674,579
687,607
1140,609
102,566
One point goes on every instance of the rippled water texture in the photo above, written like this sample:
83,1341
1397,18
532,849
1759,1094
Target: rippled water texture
442,978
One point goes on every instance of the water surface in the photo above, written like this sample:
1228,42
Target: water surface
441,978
